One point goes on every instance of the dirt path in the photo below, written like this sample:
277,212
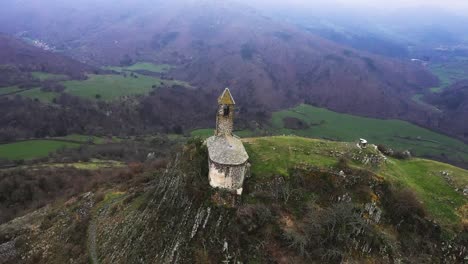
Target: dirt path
92,242
92,245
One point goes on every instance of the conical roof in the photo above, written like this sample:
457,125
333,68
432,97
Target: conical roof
226,98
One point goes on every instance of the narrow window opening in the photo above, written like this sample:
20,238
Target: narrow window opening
226,110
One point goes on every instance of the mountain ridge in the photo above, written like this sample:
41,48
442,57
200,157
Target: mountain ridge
268,64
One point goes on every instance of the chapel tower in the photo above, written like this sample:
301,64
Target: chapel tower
225,114
227,158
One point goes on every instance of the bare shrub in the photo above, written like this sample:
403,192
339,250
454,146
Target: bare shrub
252,217
403,206
329,234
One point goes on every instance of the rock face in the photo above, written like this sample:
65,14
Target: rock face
227,156
171,224
170,215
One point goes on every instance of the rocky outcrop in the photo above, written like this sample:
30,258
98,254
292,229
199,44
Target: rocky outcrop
166,225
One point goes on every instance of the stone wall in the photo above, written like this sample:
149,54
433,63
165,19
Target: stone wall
224,124
227,177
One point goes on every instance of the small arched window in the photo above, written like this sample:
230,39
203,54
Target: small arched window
226,110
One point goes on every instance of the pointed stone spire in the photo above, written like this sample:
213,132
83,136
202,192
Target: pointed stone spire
226,98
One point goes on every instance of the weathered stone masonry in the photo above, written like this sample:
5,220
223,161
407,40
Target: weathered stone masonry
224,126
228,177
228,164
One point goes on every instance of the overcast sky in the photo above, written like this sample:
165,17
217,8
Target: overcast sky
459,6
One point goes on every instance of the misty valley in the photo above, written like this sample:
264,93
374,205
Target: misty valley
233,131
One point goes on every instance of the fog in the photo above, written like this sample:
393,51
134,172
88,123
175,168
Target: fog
458,6
405,18
448,16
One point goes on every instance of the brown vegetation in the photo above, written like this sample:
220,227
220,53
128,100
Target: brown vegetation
453,101
20,58
27,188
273,65
22,190
294,123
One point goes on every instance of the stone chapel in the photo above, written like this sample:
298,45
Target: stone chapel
227,158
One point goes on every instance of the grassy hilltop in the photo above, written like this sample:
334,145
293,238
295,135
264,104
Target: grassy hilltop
309,121
441,196
394,133
306,200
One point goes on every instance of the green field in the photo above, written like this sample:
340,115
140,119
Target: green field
397,134
276,155
394,133
93,164
203,132
271,156
45,76
426,179
142,66
448,73
37,93
9,90
31,149
111,87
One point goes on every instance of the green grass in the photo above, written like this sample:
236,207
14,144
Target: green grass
276,155
32,149
138,202
426,179
109,198
448,73
94,164
9,90
111,87
202,133
397,134
45,76
142,66
37,93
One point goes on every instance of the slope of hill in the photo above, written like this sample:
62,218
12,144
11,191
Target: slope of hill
305,201
214,44
309,121
454,103
18,58
210,44
44,93
400,135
